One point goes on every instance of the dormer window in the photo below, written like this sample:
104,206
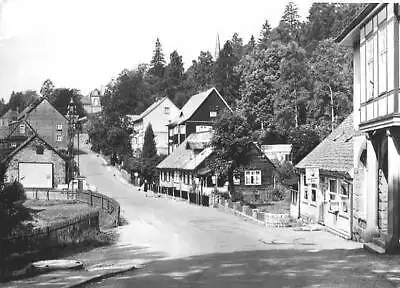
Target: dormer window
59,127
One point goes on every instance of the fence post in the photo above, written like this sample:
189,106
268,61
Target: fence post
91,199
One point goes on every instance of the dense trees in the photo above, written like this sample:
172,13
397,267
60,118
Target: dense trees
283,84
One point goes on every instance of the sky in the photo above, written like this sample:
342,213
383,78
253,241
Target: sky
83,44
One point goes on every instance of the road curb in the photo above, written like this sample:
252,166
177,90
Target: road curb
100,277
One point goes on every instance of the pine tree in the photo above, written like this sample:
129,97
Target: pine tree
174,70
237,45
226,78
149,145
157,64
290,21
47,89
265,35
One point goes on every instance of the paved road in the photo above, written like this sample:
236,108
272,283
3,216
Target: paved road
204,247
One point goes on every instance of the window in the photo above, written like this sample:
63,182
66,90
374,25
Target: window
39,150
345,190
182,129
382,59
370,68
305,188
22,128
59,138
252,177
314,192
166,110
59,127
332,189
213,114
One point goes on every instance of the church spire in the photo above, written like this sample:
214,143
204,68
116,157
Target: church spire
217,48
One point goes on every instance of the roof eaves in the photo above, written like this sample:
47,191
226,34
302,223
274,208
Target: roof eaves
356,21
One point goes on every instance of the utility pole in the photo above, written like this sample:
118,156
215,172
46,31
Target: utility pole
332,111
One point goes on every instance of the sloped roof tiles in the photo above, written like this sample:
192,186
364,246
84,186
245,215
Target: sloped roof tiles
335,152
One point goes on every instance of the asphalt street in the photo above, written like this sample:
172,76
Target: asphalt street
206,247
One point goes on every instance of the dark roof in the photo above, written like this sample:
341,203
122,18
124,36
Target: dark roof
183,157
28,109
356,21
27,141
335,152
194,103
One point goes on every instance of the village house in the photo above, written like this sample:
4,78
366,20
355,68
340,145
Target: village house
92,102
326,181
374,37
159,115
185,172
197,115
46,121
278,152
36,164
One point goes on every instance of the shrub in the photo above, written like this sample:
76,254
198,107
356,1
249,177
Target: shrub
278,193
12,211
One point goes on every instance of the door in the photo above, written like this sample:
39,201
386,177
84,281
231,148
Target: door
35,175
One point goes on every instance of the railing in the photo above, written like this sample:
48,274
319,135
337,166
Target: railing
107,204
93,199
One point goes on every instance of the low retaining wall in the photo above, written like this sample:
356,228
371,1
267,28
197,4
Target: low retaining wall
63,232
93,199
267,219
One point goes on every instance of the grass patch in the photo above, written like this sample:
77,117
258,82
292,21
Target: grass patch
46,212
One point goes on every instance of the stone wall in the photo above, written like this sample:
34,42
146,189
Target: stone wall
63,232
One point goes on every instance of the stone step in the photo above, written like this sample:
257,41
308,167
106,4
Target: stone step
378,241
373,248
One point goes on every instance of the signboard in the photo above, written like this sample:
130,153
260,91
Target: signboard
312,175
36,175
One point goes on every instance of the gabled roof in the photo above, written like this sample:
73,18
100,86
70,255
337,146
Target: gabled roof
153,106
33,105
27,141
194,103
184,158
28,109
335,152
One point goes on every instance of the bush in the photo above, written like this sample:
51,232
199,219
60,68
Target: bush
278,193
12,211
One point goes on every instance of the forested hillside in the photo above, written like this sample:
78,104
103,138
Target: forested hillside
292,83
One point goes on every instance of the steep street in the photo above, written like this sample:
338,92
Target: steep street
199,246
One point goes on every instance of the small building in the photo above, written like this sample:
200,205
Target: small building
36,164
374,38
257,177
326,181
8,117
159,115
197,115
277,152
92,102
46,121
